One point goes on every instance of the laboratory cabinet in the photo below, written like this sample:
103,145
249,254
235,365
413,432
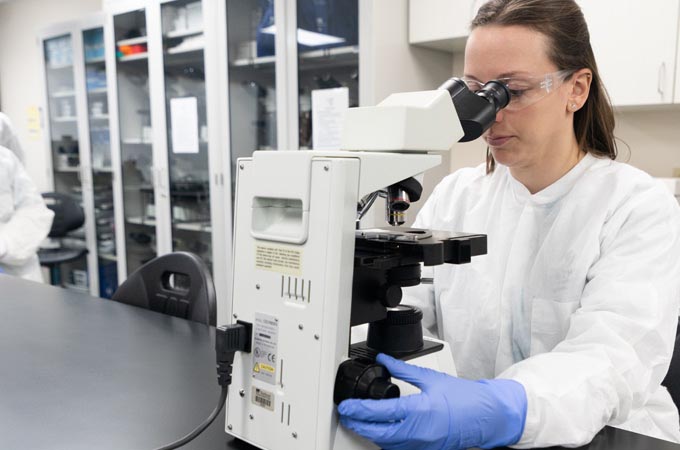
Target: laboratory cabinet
163,105
635,43
77,140
197,84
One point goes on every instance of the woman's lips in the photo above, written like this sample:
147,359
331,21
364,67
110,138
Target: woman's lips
497,141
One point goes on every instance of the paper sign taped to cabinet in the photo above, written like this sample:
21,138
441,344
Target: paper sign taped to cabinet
328,109
184,124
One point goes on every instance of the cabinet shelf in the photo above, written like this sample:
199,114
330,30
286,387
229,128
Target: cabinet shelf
254,62
64,119
108,257
329,57
100,117
137,141
63,94
101,90
181,51
193,226
183,33
141,221
95,60
59,66
132,41
135,57
67,169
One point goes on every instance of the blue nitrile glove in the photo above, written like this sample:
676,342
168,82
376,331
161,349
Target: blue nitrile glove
449,413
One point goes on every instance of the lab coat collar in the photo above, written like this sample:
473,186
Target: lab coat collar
556,190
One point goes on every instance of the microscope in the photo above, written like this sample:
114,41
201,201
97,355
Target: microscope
305,272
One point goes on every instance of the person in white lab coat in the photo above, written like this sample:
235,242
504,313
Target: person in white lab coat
24,219
8,137
568,323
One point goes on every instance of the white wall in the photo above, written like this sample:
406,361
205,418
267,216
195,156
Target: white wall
653,136
21,84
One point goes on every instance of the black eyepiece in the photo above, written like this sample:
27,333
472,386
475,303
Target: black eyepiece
476,110
495,92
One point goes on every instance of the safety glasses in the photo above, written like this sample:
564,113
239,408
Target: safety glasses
526,90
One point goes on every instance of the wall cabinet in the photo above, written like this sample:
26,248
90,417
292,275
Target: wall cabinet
78,145
441,24
635,45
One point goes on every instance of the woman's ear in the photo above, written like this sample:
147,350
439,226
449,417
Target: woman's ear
580,88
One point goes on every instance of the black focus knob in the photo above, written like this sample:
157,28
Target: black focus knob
400,332
363,378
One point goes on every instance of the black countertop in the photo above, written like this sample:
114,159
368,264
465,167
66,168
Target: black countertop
77,372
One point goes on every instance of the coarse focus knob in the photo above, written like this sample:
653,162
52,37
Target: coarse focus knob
363,378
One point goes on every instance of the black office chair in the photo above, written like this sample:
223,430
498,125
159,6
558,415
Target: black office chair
178,284
672,380
68,216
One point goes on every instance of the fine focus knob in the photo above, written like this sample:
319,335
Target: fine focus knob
400,332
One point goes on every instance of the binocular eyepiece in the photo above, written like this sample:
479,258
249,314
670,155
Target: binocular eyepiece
476,110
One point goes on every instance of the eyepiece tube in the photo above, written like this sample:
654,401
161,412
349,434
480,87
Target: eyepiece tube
496,93
476,110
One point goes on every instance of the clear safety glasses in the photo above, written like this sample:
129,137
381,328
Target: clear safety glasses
525,90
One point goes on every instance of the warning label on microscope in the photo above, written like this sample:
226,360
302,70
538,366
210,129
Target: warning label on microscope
265,342
279,259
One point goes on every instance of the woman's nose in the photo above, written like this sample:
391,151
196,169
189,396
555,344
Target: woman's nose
499,115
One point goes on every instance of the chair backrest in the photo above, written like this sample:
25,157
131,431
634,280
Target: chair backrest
68,214
672,380
178,284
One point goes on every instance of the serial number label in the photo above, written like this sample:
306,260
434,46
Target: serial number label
262,398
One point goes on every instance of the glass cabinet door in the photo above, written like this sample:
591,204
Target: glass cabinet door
134,112
100,149
59,69
185,102
328,57
251,29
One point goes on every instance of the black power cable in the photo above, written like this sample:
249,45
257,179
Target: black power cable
199,429
228,340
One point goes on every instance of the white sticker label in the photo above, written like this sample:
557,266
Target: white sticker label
286,260
266,336
263,398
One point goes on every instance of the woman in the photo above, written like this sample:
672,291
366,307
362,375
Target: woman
24,219
569,320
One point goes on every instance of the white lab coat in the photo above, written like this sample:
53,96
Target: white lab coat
24,219
8,137
577,298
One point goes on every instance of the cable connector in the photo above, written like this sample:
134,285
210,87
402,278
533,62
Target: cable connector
230,339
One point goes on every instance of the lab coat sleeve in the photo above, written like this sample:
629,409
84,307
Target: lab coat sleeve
9,138
619,342
29,223
422,296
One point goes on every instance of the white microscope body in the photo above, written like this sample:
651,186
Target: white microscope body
294,258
